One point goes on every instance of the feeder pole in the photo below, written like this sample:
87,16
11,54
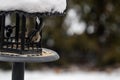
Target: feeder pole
18,71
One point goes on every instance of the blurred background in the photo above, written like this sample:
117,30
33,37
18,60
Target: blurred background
87,37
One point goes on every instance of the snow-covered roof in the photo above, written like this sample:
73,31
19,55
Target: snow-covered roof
33,6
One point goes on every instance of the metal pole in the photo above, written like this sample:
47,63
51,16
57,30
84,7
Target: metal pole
18,71
23,33
2,31
17,29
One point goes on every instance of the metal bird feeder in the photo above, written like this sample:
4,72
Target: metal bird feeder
21,47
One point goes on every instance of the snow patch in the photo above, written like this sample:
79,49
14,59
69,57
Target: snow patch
51,75
32,6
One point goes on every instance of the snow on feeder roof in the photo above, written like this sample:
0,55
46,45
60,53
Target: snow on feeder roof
33,6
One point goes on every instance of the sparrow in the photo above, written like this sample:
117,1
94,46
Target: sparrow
34,35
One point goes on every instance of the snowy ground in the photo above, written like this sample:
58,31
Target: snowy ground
76,75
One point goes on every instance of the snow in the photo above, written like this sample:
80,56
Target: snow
33,6
75,75
72,21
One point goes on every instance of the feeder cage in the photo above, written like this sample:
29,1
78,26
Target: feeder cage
18,44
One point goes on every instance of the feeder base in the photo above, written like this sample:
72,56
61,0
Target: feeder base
47,55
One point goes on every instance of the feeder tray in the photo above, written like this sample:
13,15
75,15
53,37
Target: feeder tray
46,56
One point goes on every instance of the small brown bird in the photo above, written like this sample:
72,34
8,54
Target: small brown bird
34,35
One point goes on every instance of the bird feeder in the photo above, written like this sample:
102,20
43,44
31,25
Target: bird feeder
17,44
